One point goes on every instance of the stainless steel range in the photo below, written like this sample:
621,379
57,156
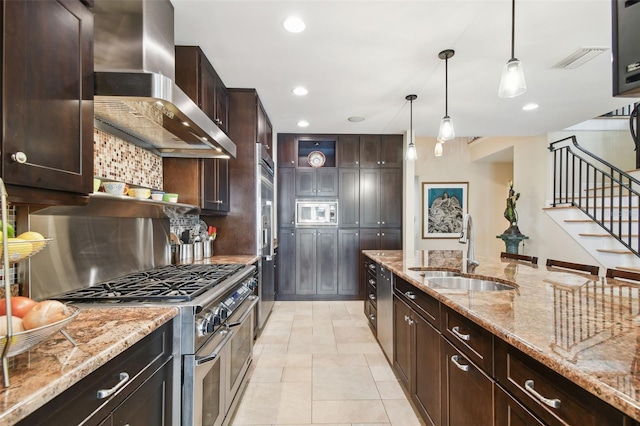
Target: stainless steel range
216,327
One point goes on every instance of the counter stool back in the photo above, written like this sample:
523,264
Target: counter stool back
591,269
521,257
626,275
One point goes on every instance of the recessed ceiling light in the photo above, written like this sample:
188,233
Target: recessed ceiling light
303,123
300,91
530,107
355,119
293,24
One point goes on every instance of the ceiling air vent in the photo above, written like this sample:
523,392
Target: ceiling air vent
579,57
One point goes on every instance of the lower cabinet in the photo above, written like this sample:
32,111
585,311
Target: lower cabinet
510,412
286,262
316,261
348,266
141,380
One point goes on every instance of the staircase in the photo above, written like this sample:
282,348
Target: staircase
597,204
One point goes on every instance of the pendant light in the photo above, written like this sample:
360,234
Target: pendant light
446,125
438,150
412,154
512,82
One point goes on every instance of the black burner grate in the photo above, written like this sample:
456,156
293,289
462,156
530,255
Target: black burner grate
171,283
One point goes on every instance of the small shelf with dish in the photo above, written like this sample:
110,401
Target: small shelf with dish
317,153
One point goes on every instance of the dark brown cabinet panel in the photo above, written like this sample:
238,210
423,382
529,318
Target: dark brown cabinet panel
391,197
402,342
286,262
510,412
370,198
524,377
349,255
467,393
286,197
316,261
47,91
264,131
321,182
474,341
201,182
287,150
349,198
199,80
383,151
426,381
327,261
390,239
369,151
348,151
306,253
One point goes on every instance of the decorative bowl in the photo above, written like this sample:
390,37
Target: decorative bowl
142,193
114,188
172,198
316,159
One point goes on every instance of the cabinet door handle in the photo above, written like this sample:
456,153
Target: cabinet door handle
372,297
378,162
372,281
454,360
293,162
553,403
372,266
19,157
104,393
383,162
456,330
383,222
357,222
292,222
411,295
372,317
406,318
410,321
357,162
382,234
378,222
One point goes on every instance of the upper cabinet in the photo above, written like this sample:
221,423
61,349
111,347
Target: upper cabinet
264,130
383,151
348,151
47,91
199,80
287,150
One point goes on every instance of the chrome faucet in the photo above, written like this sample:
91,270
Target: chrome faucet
466,236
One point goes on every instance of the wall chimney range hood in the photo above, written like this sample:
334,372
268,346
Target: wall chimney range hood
135,94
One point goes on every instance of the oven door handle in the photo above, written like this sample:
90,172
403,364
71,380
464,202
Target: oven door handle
216,351
254,302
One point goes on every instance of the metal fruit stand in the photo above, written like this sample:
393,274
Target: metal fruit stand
14,344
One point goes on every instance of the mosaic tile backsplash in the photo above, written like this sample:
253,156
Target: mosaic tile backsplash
116,159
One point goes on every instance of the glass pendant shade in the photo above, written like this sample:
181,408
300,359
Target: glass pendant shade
412,154
512,82
438,150
447,131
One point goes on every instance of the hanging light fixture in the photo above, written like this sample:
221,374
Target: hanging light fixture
438,150
412,154
446,125
512,82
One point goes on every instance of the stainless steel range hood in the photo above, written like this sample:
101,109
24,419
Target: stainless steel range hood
135,94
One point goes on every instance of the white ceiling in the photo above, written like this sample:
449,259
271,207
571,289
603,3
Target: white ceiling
363,57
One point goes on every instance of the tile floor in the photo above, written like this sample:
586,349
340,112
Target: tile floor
318,363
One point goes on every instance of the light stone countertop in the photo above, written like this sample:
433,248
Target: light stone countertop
583,327
247,259
51,367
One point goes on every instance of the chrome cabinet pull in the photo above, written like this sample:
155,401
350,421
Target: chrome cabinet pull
19,157
372,281
410,321
456,330
553,403
292,162
372,297
372,266
372,317
104,393
454,360
411,295
406,318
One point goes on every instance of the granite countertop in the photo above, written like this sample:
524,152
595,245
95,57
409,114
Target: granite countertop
247,259
584,327
47,370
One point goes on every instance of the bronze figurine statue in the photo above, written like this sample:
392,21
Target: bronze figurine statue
510,212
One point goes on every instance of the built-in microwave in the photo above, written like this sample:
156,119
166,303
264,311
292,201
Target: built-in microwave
316,212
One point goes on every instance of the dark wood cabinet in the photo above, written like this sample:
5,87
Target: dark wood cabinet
264,131
199,80
467,392
510,412
384,151
380,239
349,255
287,150
370,198
47,92
286,197
201,182
402,342
349,198
321,182
348,151
316,261
286,262
381,198
146,398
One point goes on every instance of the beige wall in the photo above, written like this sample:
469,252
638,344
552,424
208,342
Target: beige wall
488,165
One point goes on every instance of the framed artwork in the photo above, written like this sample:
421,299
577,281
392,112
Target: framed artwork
444,205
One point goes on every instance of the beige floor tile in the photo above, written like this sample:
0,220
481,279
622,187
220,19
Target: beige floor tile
267,374
275,404
275,348
355,360
390,390
376,359
304,322
349,412
352,322
354,306
275,324
302,331
358,348
343,383
401,413
382,373
370,424
309,339
312,348
257,349
297,374
287,360
354,335
274,338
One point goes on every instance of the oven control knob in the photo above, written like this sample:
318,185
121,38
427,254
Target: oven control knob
224,312
202,327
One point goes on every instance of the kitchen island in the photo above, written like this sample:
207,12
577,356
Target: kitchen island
46,371
582,327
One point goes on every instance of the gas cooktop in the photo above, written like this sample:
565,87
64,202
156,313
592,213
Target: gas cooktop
170,283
